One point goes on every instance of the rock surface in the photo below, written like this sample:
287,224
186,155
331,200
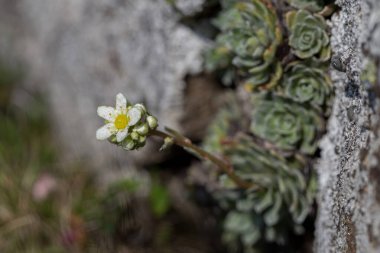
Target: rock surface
348,171
83,52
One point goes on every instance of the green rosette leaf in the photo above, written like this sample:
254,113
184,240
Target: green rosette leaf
283,195
250,31
219,60
286,124
305,83
279,204
308,35
310,5
229,121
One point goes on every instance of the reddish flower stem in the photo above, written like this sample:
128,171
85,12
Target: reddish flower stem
223,165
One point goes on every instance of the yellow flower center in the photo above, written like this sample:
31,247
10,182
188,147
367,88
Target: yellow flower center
121,121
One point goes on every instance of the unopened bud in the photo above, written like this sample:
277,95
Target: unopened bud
142,139
128,144
135,136
152,122
142,129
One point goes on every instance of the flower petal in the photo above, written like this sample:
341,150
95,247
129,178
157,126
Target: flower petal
141,106
134,115
104,132
120,136
106,112
121,102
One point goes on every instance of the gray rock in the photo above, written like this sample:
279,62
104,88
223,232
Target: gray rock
189,7
83,52
348,217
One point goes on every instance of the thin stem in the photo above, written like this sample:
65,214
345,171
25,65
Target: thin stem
186,143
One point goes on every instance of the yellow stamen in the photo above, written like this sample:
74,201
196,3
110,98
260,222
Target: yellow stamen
121,121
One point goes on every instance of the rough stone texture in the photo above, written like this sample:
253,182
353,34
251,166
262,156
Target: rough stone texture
86,51
348,171
188,8
374,28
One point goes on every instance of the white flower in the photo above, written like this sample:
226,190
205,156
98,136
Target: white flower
118,119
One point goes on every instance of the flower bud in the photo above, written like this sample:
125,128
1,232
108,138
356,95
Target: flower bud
135,136
142,139
128,144
152,122
142,129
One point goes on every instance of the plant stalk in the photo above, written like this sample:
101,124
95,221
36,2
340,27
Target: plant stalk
223,165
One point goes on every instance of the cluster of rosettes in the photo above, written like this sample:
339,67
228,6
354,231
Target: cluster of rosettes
282,195
289,63
279,54
126,125
249,38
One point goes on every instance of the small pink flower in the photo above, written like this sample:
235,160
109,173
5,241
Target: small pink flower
43,186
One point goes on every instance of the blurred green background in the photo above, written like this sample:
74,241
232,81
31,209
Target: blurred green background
49,206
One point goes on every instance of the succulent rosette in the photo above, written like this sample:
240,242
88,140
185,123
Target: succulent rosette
251,33
269,212
219,59
310,5
286,124
281,197
308,35
304,83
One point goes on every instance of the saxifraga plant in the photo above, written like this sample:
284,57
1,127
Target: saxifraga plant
285,122
265,185
248,41
307,83
282,194
308,35
279,204
287,125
